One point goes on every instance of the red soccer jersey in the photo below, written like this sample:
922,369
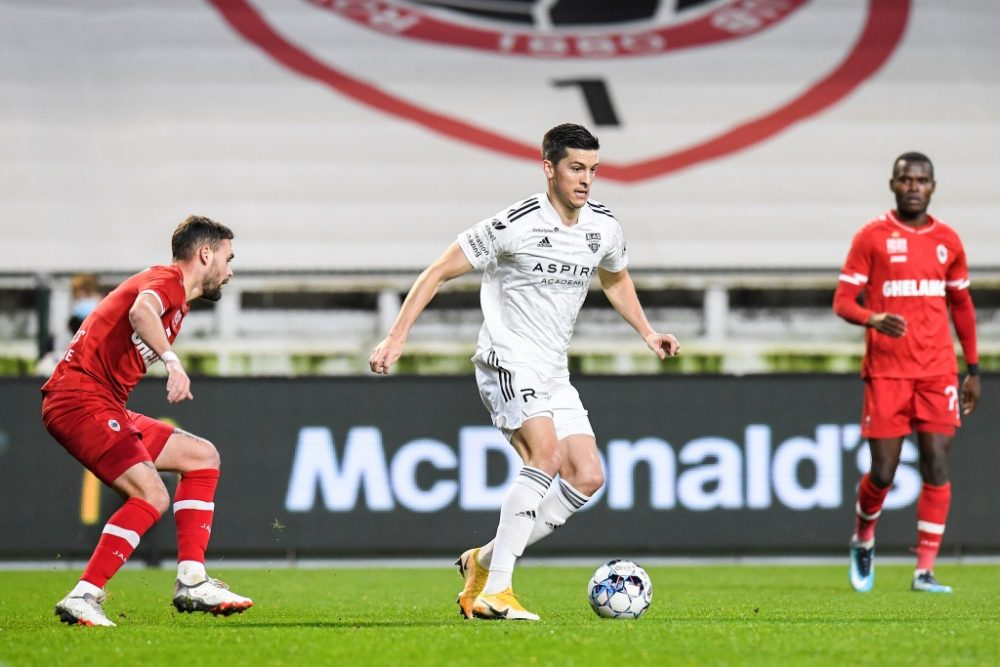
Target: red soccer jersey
106,355
909,271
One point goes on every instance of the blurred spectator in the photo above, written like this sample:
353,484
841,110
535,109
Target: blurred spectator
85,292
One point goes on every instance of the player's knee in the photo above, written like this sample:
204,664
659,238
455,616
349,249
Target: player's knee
882,473
934,472
590,482
210,456
202,455
158,497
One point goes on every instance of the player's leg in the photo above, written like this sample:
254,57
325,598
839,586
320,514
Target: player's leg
872,490
580,475
197,461
101,436
538,447
885,420
937,417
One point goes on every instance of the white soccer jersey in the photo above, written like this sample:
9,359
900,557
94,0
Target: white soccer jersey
536,274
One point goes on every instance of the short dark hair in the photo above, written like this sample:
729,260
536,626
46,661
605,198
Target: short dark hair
195,231
913,156
568,135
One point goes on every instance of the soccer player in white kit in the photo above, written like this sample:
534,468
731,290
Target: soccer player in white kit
537,257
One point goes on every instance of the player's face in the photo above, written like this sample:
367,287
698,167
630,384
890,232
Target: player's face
913,185
219,271
570,179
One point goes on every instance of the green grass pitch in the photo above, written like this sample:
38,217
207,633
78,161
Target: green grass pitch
701,615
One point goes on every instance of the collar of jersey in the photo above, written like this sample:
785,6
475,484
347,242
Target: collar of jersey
551,216
910,228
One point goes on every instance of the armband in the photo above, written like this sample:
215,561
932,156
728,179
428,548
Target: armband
170,355
972,369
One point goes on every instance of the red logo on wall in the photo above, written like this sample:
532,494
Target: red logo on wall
551,49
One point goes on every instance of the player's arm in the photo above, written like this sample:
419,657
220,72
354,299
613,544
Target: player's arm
620,290
845,305
451,264
144,316
963,315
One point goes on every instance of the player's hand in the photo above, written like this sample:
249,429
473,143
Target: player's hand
663,345
970,394
178,383
385,355
890,324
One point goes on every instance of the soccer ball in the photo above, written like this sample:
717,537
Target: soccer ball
620,589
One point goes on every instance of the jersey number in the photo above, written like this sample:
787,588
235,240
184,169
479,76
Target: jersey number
951,391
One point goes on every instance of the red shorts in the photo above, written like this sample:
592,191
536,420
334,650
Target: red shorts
896,407
102,435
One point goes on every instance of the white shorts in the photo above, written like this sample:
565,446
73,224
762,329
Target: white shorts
513,393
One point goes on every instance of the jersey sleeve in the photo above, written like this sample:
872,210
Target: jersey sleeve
957,277
486,240
857,266
853,278
616,257
164,286
963,312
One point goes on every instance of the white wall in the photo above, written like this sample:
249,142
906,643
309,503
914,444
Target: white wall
118,118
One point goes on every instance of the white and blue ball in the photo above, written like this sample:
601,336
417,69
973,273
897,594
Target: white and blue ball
620,589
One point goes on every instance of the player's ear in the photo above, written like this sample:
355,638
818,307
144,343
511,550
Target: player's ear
205,254
548,168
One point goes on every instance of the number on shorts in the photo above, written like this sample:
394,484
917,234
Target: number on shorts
951,391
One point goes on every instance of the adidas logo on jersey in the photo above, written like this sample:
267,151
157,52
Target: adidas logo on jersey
544,243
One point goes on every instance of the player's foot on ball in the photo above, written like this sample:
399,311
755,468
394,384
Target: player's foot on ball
862,565
924,582
84,609
475,576
501,606
209,595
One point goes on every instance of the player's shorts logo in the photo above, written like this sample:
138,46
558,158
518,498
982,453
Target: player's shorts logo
114,425
667,84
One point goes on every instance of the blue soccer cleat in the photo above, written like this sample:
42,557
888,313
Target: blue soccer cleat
924,582
863,565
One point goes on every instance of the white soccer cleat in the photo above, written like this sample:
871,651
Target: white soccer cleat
83,609
209,595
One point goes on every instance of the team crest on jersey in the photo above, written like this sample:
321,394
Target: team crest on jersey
895,246
942,253
497,225
114,425
614,66
594,241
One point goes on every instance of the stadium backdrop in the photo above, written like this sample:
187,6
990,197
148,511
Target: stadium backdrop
410,466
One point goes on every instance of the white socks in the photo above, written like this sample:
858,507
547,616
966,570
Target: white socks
191,572
558,505
85,588
517,520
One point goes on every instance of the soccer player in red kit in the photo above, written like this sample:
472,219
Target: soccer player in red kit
912,271
83,408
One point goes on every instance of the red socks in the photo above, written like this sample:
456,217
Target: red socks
119,539
932,513
868,508
194,508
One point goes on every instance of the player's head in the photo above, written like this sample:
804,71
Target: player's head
912,183
205,245
568,135
569,159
